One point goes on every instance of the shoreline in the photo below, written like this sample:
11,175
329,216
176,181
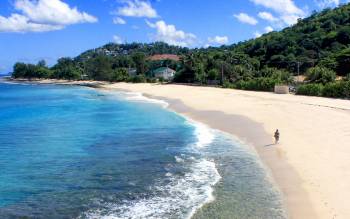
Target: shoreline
216,120
195,117
177,107
259,136
300,164
308,170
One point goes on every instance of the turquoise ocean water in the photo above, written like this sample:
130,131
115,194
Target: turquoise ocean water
75,152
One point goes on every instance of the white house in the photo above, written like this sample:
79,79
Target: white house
164,72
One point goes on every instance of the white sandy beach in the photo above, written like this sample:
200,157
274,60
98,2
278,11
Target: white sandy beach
311,163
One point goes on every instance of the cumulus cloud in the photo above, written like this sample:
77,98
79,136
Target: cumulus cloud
169,34
267,16
117,39
20,23
280,6
327,3
52,12
118,20
268,29
137,8
218,40
287,9
245,18
42,15
257,34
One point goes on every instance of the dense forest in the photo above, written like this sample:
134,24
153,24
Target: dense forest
317,47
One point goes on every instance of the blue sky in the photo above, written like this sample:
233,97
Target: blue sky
31,30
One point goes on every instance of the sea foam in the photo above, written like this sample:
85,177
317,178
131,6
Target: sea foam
139,97
181,196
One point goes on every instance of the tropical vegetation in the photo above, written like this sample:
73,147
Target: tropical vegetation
317,47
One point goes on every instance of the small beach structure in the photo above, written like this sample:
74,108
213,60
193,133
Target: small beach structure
282,89
84,77
132,72
165,73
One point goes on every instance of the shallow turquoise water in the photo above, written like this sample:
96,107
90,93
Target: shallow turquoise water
74,152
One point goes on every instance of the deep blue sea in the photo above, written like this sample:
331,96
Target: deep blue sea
77,152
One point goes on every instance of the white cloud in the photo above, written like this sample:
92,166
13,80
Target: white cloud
169,34
287,9
42,15
280,6
290,19
218,40
267,16
257,34
327,3
244,18
137,8
268,29
52,12
118,20
20,23
117,39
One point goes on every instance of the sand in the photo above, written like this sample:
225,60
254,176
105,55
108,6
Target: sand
311,163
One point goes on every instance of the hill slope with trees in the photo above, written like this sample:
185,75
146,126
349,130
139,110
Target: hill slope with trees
317,47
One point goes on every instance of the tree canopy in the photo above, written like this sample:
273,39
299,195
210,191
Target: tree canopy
318,46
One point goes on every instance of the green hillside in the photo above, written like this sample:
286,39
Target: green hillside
317,47
323,38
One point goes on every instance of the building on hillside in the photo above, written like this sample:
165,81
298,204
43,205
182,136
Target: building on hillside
84,77
165,73
132,72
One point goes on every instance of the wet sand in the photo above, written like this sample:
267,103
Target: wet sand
309,165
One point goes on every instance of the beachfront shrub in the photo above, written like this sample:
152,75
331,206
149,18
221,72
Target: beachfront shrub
347,78
152,80
19,70
227,84
280,75
240,72
257,84
310,89
99,68
138,79
339,89
213,74
320,75
333,90
43,72
66,69
22,70
119,74
346,90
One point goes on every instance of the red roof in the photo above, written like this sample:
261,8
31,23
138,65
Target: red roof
161,57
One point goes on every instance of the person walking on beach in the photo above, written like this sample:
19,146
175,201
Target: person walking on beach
277,136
